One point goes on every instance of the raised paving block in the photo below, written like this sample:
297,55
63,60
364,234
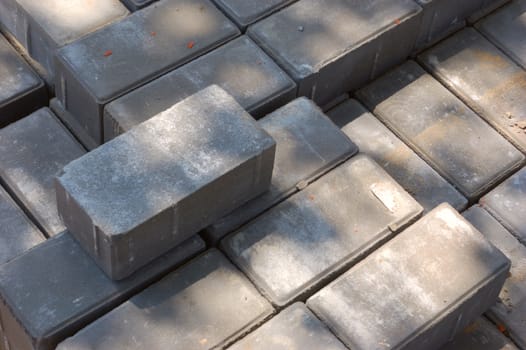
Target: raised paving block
441,129
295,328
397,297
95,70
408,169
55,289
32,152
206,304
485,79
17,233
506,29
332,47
44,26
507,203
308,144
303,242
510,311
240,67
21,90
164,180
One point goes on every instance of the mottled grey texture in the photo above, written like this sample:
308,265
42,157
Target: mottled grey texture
205,304
247,12
398,298
480,335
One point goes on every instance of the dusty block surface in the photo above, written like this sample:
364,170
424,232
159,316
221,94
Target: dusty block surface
32,152
397,297
205,304
308,144
169,177
402,163
240,67
351,43
304,241
247,12
441,129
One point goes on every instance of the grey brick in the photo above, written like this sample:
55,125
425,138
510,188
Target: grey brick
441,129
55,289
21,90
303,242
308,144
351,43
72,123
485,79
167,178
295,328
510,310
397,297
205,304
95,70
240,67
408,169
32,152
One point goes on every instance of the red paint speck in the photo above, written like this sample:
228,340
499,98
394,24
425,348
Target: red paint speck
397,21
108,53
190,44
153,33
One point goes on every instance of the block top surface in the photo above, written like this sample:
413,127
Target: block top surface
246,12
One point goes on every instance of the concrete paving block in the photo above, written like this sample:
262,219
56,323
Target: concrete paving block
396,298
488,6
408,169
55,289
32,152
295,328
44,26
305,241
240,67
17,232
351,43
21,90
441,129
170,177
73,125
135,5
485,79
510,311
95,70
506,28
308,144
206,304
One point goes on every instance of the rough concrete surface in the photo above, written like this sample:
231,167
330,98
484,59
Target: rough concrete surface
247,12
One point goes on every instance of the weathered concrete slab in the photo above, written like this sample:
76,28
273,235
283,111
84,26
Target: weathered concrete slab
308,144
510,310
408,169
17,232
55,289
485,79
205,304
295,328
166,179
303,242
441,129
488,6
96,69
240,67
351,43
21,90
386,302
32,152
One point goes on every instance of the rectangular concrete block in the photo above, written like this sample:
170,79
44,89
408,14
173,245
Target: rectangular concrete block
299,245
308,144
485,79
395,157
441,129
332,48
95,70
398,297
510,311
206,304
140,194
295,328
32,152
247,12
55,289
21,90
240,67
